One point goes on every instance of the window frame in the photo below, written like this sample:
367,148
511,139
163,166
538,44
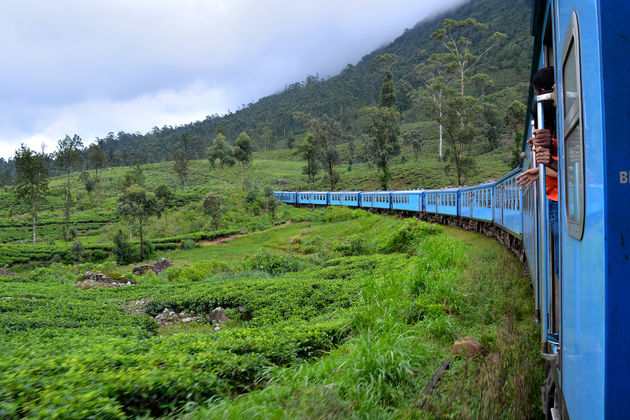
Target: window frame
573,119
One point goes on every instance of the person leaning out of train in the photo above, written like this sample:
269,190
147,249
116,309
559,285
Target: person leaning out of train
545,144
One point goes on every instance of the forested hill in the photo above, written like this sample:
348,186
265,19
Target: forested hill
270,121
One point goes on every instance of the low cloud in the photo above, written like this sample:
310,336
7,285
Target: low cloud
88,68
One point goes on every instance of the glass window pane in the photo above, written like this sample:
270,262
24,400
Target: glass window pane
574,175
570,84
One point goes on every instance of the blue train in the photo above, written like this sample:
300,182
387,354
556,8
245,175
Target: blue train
584,311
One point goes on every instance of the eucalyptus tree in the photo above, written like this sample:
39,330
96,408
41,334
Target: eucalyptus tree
68,157
31,182
383,130
180,166
166,197
462,55
136,204
307,150
243,150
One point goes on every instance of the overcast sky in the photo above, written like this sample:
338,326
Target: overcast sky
88,67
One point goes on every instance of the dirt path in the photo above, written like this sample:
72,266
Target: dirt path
222,240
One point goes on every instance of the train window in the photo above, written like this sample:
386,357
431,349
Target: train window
573,127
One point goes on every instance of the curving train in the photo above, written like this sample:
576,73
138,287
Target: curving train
584,309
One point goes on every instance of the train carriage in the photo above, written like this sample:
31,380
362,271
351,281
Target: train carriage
444,201
286,196
351,198
506,204
320,198
476,202
376,200
407,200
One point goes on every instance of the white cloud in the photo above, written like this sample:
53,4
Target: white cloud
72,66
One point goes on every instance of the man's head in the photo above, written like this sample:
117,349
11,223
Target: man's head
543,80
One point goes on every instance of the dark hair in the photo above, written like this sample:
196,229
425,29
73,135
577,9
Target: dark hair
543,79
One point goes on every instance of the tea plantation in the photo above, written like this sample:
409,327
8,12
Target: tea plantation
337,313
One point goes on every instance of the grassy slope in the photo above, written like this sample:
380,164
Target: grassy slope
344,336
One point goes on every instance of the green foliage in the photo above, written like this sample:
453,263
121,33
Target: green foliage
307,150
221,151
30,182
274,263
188,244
383,129
123,250
180,166
77,251
388,95
213,207
339,214
406,236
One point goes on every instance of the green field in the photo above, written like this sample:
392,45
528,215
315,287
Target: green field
353,323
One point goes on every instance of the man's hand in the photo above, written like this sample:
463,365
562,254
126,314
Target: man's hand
527,178
542,138
543,155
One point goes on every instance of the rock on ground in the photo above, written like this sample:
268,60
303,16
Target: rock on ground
218,316
6,273
93,280
468,346
141,269
161,265
135,307
168,317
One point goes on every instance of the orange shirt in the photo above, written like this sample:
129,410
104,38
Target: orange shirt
552,183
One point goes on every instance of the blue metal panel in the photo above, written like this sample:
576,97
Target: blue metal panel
350,198
582,261
507,203
406,200
376,199
476,202
616,85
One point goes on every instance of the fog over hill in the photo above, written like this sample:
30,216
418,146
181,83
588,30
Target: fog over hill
74,67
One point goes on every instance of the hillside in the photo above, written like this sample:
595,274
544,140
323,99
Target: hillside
343,95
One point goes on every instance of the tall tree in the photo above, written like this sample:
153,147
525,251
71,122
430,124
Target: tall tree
97,159
243,153
31,182
138,205
220,150
307,149
185,140
213,207
327,133
458,115
166,197
461,56
68,156
414,139
383,129
181,166
514,121
388,96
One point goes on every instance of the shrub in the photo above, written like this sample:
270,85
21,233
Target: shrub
274,264
340,214
188,244
351,246
407,235
123,250
77,251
